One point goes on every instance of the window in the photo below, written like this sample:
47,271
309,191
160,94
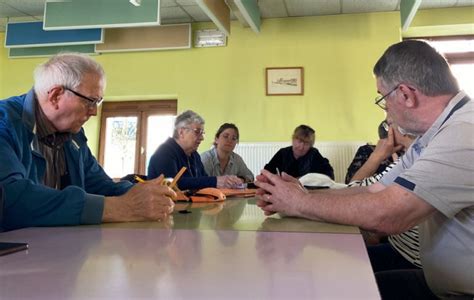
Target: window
131,131
459,51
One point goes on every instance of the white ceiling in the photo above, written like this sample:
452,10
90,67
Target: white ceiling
185,11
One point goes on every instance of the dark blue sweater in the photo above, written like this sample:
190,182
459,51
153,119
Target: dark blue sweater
169,158
311,162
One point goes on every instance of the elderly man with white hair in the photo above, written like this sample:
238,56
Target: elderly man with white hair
48,174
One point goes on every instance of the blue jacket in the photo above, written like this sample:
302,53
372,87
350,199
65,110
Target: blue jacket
169,158
26,202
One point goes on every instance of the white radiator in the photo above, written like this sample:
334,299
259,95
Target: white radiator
340,154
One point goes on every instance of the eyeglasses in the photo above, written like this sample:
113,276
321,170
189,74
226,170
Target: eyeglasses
381,100
91,102
197,131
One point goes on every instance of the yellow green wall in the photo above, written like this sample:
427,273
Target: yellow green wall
226,84
459,15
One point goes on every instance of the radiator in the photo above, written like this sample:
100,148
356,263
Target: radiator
340,154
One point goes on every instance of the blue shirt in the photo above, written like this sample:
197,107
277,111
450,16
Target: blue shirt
26,201
169,158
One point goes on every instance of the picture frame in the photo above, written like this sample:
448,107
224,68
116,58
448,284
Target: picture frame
284,81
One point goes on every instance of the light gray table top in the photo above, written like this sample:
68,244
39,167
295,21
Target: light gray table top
239,214
88,262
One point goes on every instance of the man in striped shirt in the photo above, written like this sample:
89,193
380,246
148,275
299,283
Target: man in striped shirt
402,250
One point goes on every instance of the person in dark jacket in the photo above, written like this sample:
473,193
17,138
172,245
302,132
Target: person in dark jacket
48,174
181,151
301,157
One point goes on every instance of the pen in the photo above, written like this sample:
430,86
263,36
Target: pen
278,172
139,179
177,177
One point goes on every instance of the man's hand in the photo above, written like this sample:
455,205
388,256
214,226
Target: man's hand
386,147
279,194
149,201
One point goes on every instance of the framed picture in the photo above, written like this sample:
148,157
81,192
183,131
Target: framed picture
284,81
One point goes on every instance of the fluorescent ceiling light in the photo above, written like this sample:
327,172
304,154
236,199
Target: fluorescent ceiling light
209,38
136,2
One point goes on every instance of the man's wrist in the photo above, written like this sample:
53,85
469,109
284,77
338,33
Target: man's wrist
111,210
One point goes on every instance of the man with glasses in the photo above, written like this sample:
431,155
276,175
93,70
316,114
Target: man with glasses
432,186
47,172
181,151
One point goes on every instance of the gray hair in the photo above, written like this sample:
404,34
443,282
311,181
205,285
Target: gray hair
65,69
185,119
416,63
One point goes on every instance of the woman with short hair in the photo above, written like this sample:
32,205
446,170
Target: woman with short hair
301,157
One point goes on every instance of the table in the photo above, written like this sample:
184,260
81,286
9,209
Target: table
209,259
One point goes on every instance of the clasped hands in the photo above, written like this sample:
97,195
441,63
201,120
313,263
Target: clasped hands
279,194
229,181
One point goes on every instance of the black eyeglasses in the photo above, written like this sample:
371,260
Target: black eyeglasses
380,100
91,101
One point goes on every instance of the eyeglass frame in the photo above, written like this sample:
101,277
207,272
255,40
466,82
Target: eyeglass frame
378,99
197,131
91,101
381,98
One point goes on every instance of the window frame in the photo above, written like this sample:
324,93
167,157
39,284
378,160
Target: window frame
142,110
452,58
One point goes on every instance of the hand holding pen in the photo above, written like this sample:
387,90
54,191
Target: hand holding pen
150,201
171,184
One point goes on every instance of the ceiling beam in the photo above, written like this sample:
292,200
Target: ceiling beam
408,10
218,12
236,12
250,12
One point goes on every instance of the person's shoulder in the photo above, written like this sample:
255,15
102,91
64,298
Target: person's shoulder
11,113
11,108
164,151
464,114
313,151
236,157
167,146
366,147
207,154
365,150
288,149
80,137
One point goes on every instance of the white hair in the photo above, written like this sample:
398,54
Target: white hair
185,119
65,69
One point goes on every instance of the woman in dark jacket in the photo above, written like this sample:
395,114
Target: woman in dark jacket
301,157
